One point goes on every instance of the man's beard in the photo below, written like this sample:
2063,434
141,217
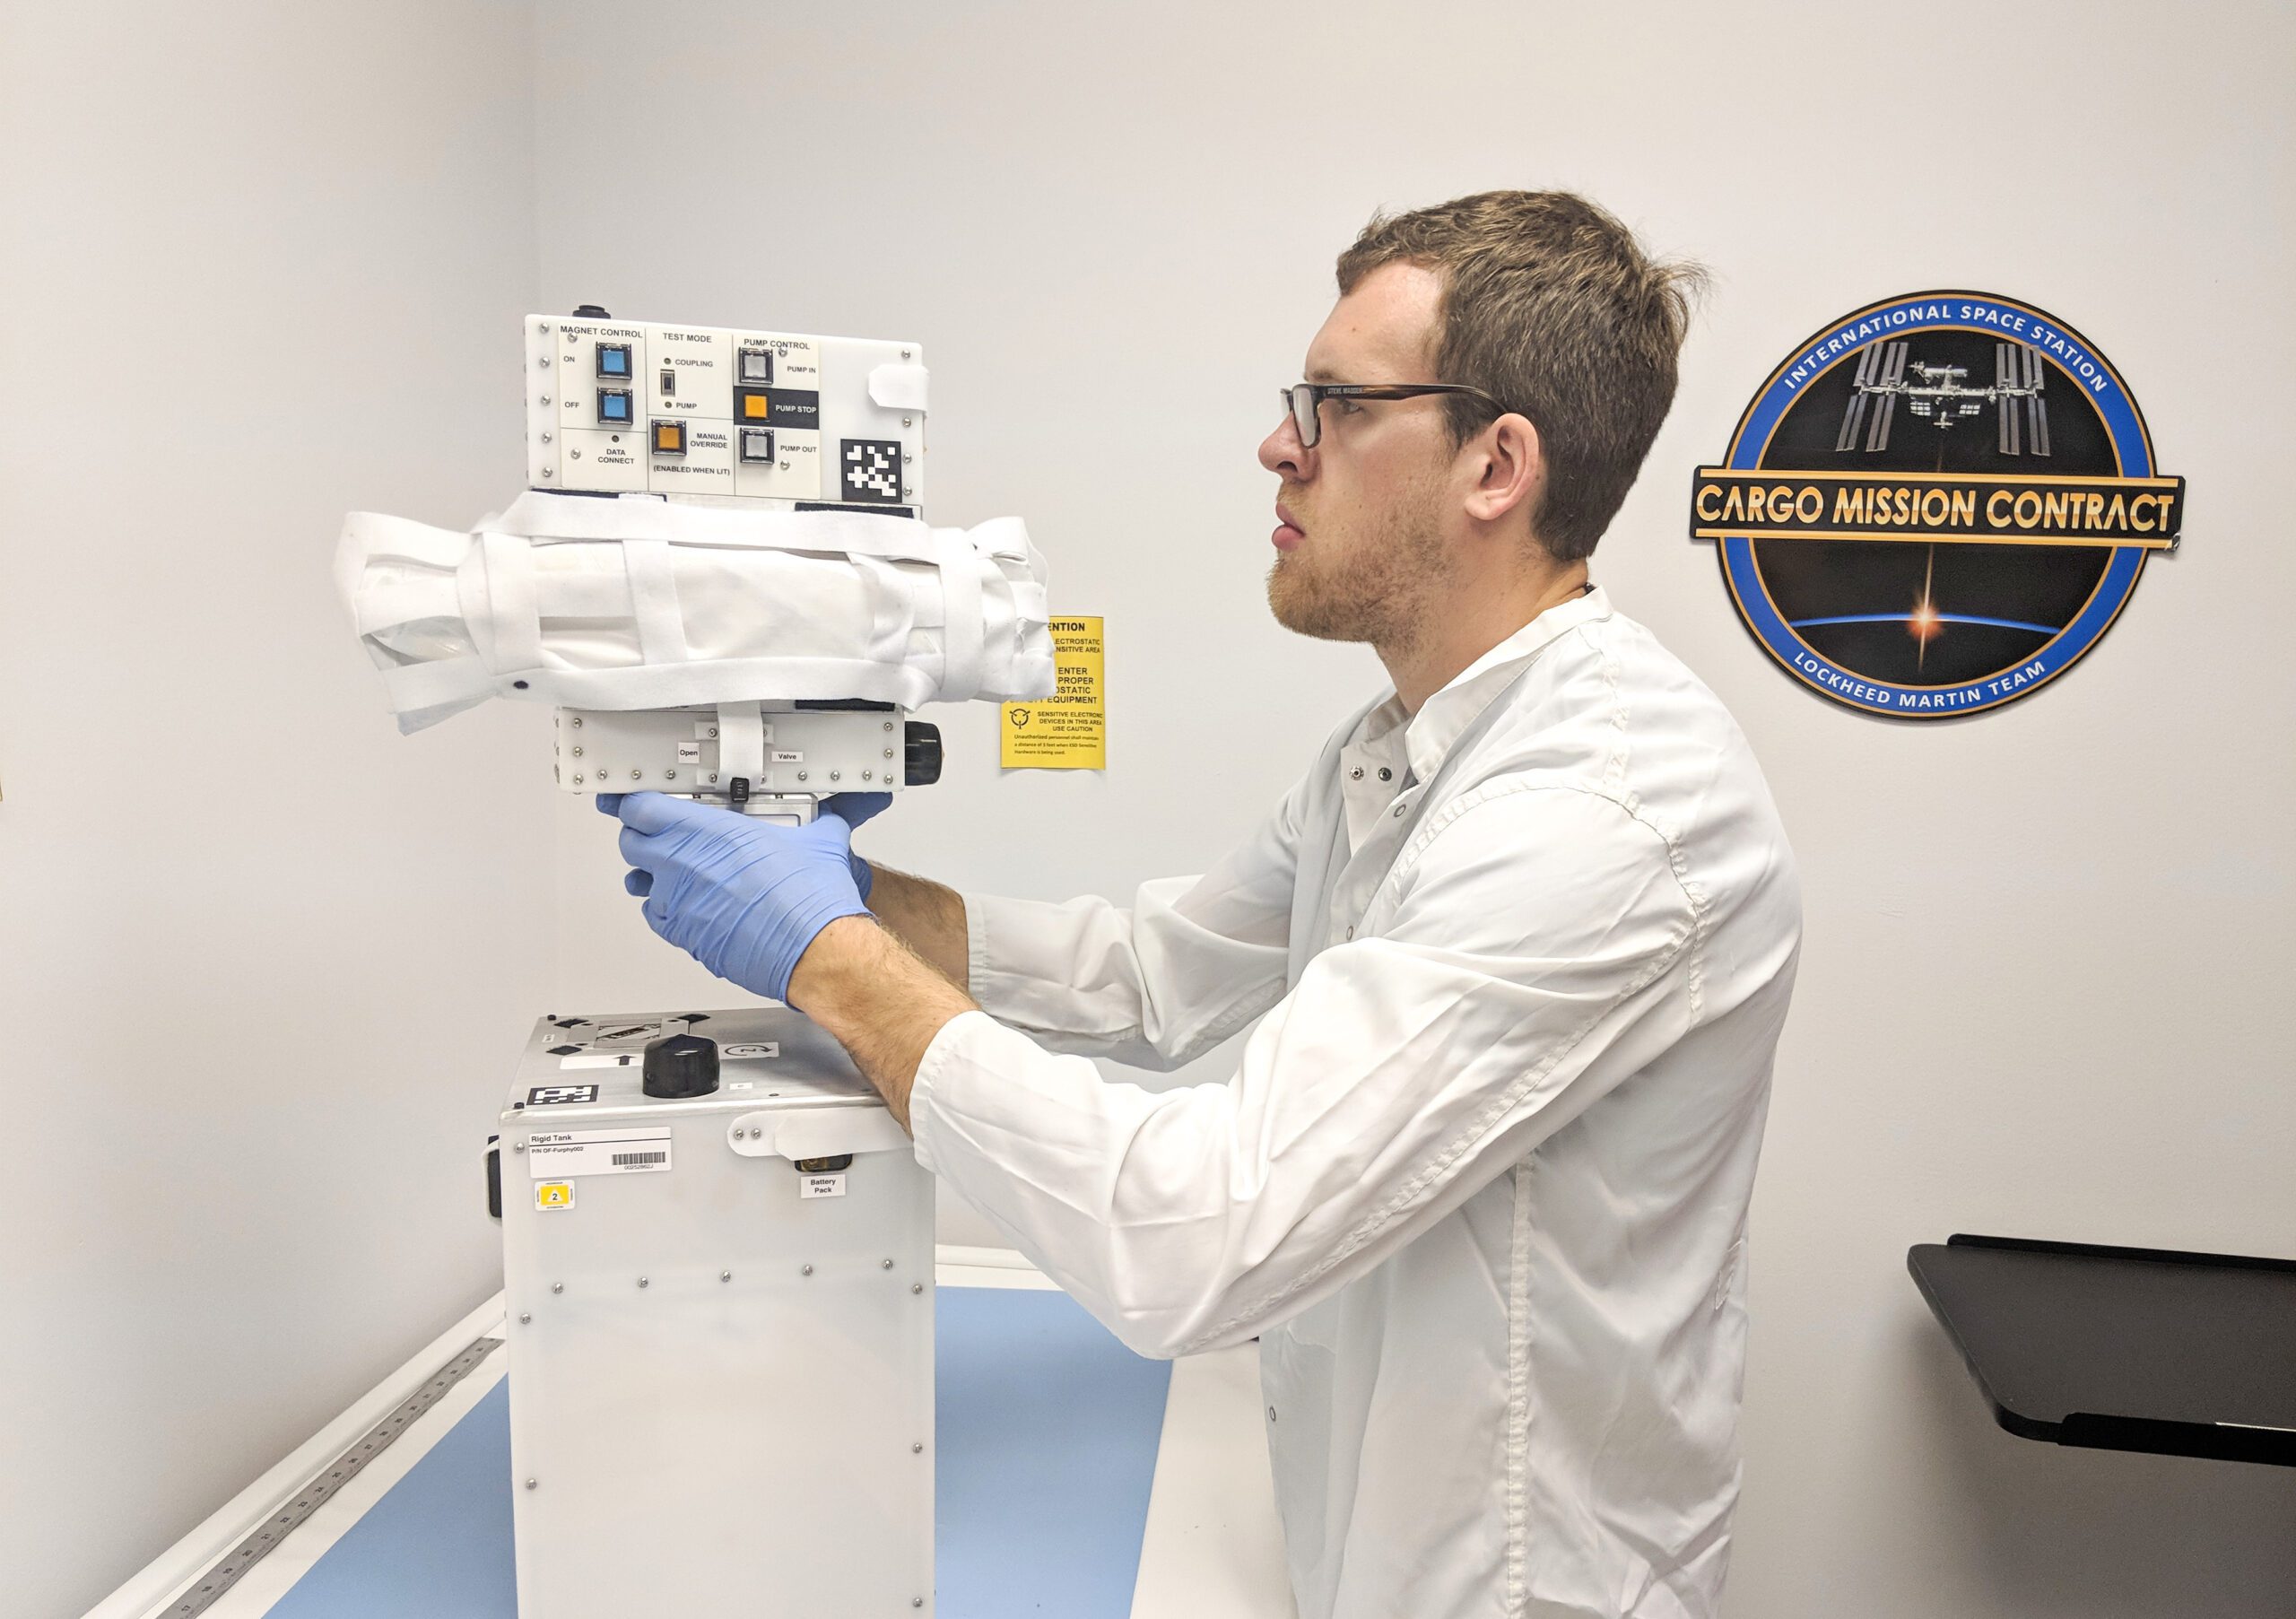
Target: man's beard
1377,592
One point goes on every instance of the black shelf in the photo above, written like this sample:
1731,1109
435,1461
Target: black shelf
2123,1349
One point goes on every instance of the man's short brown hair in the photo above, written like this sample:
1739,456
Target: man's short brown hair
1550,307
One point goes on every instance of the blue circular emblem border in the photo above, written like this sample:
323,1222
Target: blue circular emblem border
1914,312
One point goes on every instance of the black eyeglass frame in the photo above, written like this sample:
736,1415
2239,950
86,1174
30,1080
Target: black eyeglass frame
1309,422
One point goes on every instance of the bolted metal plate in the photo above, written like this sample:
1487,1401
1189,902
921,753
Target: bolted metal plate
227,1569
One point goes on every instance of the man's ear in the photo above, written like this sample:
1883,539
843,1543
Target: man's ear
1510,470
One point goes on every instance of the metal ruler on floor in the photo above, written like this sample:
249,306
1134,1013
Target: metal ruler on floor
227,1569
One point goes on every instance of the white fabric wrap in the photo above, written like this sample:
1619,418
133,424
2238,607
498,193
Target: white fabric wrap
643,603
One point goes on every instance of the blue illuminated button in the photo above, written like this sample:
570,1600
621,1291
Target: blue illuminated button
614,406
614,360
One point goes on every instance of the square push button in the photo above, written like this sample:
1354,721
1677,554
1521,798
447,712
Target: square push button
669,438
614,360
757,444
757,366
613,407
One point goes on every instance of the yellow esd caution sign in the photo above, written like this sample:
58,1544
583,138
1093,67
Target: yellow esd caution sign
554,1195
1068,730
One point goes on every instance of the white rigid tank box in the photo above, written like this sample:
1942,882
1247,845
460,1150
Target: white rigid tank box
720,1324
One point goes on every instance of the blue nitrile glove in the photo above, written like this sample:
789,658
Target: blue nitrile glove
741,896
853,809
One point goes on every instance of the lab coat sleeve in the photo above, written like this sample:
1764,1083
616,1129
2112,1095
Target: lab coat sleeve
1542,949
1189,962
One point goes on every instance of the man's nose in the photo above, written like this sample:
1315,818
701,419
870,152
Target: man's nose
1282,454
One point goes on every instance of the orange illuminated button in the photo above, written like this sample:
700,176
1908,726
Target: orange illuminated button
669,438
757,407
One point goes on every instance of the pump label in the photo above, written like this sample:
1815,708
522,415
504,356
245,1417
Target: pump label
561,1154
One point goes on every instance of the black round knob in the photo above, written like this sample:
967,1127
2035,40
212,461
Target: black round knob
921,742
681,1065
590,311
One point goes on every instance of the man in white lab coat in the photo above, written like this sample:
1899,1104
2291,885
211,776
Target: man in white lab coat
1519,944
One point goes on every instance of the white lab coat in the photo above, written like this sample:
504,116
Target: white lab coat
1480,1182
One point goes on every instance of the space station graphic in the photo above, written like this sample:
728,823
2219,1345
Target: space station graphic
1936,505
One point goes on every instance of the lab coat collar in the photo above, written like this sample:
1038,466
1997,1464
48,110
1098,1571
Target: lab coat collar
1446,715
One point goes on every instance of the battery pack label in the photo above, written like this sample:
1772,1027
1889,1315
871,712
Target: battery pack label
823,1186
561,1154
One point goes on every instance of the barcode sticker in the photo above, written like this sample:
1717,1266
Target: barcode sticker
561,1154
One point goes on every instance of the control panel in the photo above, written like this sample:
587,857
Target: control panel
719,415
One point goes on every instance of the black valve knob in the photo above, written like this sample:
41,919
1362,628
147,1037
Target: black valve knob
921,744
679,1065
591,311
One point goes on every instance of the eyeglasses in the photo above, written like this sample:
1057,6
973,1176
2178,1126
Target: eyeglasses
1305,400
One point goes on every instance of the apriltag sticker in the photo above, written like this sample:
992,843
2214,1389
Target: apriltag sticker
544,1096
557,1154
822,1186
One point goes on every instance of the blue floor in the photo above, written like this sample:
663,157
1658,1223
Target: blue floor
1046,1446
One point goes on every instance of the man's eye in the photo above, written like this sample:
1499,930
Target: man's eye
1348,407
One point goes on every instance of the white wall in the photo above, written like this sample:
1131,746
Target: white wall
263,962
2043,945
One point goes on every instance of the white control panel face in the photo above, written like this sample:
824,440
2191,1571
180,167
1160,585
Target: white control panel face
717,414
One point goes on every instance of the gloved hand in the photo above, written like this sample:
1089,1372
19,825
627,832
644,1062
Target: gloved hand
853,809
742,897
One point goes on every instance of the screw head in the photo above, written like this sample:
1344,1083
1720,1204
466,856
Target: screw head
865,776
530,1484
578,753
578,780
578,722
558,1287
545,399
542,364
669,775
517,1146
916,1287
888,1264
641,1282
523,1318
725,1276
712,731
805,1270
888,725
550,472
638,775
546,437
574,455
905,422
837,775
917,1448
801,775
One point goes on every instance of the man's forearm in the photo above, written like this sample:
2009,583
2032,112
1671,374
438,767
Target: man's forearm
878,999
926,917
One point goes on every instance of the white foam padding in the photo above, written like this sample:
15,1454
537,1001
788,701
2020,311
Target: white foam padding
645,604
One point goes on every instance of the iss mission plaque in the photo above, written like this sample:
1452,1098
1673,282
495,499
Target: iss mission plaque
1936,505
